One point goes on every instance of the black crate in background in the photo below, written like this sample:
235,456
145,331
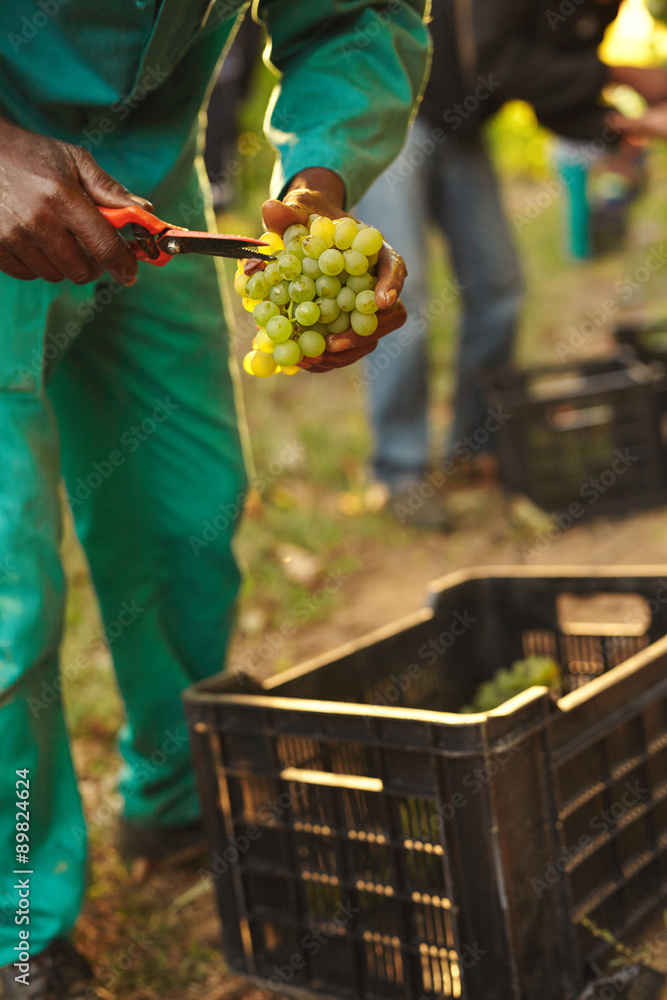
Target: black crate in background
646,338
588,434
333,795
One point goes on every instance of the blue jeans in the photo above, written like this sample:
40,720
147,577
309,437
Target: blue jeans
454,185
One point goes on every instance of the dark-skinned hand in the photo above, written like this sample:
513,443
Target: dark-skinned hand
649,81
320,192
651,124
49,225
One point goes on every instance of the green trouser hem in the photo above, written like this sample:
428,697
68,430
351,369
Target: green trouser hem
138,398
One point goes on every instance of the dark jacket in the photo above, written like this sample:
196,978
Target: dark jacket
487,52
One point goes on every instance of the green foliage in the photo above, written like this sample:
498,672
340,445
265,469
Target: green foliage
658,10
520,146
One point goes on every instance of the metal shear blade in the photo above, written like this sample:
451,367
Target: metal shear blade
212,244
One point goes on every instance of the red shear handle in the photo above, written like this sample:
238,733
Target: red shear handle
119,217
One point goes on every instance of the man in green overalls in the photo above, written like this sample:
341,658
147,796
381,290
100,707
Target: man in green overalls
124,388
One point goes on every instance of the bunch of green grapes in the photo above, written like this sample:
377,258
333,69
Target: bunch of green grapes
523,674
321,282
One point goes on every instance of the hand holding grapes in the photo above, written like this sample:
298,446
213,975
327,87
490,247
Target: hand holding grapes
320,192
651,124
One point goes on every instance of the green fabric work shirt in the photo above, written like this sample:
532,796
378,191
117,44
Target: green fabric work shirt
127,78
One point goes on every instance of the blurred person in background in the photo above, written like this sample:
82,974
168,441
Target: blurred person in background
485,53
120,382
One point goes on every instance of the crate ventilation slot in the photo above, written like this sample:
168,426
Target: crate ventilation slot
352,782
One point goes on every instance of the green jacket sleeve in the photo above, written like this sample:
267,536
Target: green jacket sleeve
351,73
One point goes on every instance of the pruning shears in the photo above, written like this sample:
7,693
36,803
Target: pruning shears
156,242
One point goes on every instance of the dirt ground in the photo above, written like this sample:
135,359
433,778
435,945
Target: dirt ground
392,584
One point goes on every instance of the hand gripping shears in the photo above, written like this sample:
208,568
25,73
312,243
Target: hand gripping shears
157,242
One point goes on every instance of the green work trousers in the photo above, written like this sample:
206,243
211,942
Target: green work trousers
134,407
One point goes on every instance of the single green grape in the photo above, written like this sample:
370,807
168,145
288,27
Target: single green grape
279,329
331,262
307,313
324,228
340,324
320,328
366,303
289,266
362,324
310,267
264,311
264,342
271,273
295,248
346,230
329,310
257,286
373,259
240,282
367,241
288,354
359,282
273,243
314,247
262,364
312,343
346,299
292,232
355,262
302,289
328,286
280,294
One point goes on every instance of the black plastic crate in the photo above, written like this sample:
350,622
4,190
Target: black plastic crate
370,842
583,439
646,338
